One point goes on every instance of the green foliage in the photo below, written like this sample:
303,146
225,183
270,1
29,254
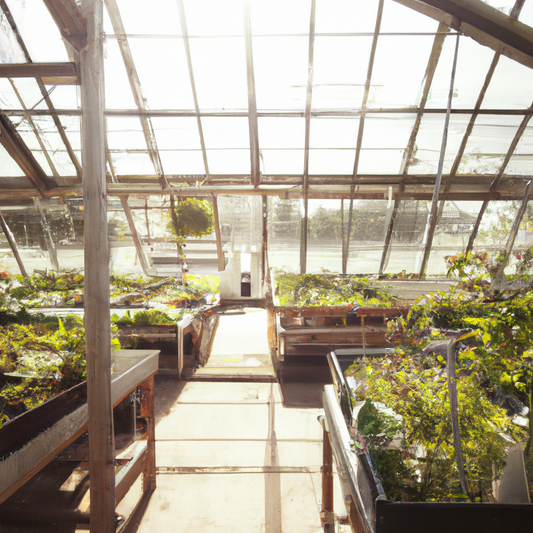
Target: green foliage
329,289
194,218
55,357
423,466
149,317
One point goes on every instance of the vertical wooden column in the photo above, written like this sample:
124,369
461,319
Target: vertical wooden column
97,320
147,412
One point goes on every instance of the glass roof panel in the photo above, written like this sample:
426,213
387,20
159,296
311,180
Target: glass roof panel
27,89
473,62
280,132
280,65
401,19
228,161
402,58
345,16
339,71
221,64
429,143
163,87
125,133
158,17
38,29
72,126
226,132
132,163
504,95
182,162
8,98
118,93
520,162
282,161
64,96
176,133
10,50
378,161
8,167
388,131
334,132
526,15
225,18
277,17
331,161
488,144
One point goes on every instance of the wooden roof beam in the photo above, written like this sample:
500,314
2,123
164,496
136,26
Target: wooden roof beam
70,21
61,73
17,149
483,23
252,100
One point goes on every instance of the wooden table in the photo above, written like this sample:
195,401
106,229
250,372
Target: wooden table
32,440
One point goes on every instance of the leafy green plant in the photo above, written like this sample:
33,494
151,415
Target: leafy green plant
193,218
149,317
329,289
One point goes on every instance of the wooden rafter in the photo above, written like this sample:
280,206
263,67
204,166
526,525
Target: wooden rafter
515,12
70,21
40,70
252,99
432,216
41,83
430,72
329,113
186,44
346,242
13,245
483,23
22,155
308,103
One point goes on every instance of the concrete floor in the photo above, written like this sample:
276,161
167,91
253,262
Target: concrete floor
231,458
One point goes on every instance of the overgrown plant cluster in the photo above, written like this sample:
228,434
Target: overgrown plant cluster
407,415
330,289
43,355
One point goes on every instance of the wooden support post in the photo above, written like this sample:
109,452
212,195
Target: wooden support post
12,245
48,237
432,216
220,251
327,514
97,319
452,390
147,412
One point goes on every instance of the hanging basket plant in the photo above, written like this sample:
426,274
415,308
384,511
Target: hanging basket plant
192,218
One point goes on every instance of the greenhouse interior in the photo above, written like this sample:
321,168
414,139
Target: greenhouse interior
266,266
